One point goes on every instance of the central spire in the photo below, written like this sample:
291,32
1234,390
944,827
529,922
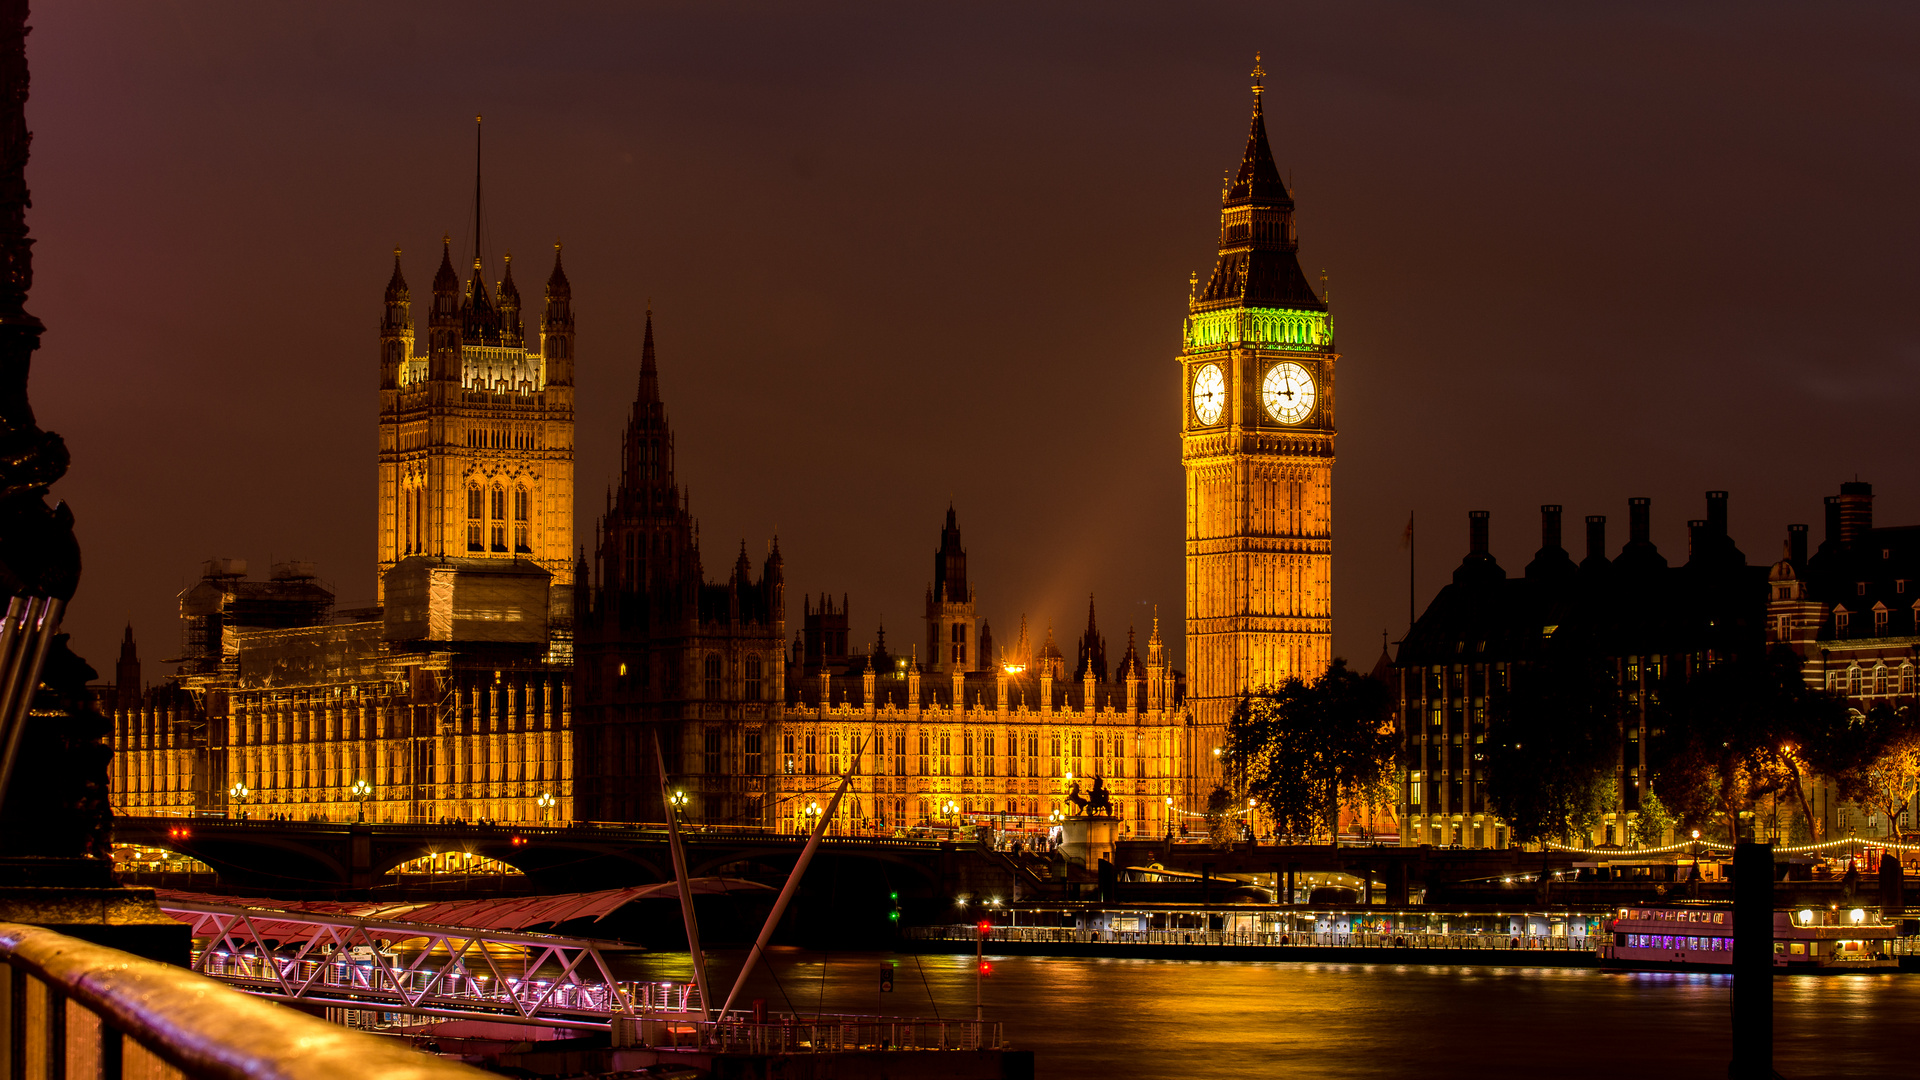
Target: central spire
649,371
1258,265
476,190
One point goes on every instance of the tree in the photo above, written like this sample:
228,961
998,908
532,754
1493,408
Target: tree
1301,749
1893,772
1220,823
1548,742
1739,731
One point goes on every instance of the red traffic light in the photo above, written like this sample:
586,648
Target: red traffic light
985,927
986,967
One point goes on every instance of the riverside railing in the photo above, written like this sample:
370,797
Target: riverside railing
1067,935
72,1009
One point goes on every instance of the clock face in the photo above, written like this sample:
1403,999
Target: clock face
1287,392
1209,394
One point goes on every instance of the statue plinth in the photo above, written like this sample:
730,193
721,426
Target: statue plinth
78,897
1089,838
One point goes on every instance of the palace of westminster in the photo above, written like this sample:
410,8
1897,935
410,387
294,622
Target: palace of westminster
502,675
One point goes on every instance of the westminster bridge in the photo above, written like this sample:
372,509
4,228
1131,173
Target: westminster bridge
305,859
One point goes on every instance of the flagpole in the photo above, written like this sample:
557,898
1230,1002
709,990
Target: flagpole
1410,564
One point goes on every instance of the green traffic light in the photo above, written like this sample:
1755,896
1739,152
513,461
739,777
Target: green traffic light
893,915
893,896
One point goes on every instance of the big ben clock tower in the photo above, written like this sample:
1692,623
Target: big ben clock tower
1256,437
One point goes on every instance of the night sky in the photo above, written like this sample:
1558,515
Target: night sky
907,254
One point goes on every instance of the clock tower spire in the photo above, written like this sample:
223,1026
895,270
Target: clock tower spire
1256,434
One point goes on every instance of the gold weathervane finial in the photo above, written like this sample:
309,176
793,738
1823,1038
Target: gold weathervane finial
1258,73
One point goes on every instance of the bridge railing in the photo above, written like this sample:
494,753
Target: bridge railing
69,1008
1276,938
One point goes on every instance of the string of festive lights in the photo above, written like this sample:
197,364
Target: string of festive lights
1850,842
1629,851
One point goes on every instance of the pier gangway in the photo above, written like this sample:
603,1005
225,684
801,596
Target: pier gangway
362,969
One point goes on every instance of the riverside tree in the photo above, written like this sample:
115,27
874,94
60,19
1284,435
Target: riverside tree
1741,731
1550,738
1301,749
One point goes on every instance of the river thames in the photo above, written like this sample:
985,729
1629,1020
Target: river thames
1153,1019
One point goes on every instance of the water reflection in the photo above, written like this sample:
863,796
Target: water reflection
1145,1019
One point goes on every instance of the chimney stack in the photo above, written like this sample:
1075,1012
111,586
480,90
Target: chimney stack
1797,546
1833,522
1717,512
1597,537
1549,527
1855,508
1639,520
1698,530
1477,532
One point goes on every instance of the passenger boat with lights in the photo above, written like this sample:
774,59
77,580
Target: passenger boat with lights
1687,936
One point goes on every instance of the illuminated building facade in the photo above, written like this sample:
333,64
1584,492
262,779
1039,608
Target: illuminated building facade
453,698
666,654
476,432
1003,740
1851,611
1257,442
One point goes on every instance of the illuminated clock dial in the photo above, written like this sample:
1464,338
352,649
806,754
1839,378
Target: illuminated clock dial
1209,394
1287,392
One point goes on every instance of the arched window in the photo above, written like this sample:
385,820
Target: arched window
475,506
713,676
753,678
1853,682
522,534
499,507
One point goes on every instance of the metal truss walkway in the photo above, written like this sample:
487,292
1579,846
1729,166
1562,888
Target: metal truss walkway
423,969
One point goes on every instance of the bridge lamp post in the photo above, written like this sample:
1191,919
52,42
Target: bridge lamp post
545,803
360,791
238,793
678,800
951,809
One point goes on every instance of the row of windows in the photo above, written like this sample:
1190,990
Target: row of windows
494,500
1856,681
503,438
815,754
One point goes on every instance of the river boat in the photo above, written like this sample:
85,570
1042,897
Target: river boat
1699,937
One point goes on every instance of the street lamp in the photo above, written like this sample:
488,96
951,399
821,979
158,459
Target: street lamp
950,809
238,793
678,800
360,790
545,803
812,812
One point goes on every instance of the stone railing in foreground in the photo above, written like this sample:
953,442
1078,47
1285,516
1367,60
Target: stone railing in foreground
71,1010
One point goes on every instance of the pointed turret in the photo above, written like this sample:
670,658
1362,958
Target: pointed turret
396,329
556,326
1258,265
512,330
397,284
443,323
479,321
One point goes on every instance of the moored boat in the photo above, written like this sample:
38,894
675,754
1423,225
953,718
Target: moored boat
1695,936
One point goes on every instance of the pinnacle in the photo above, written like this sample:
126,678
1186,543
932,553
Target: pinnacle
397,284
